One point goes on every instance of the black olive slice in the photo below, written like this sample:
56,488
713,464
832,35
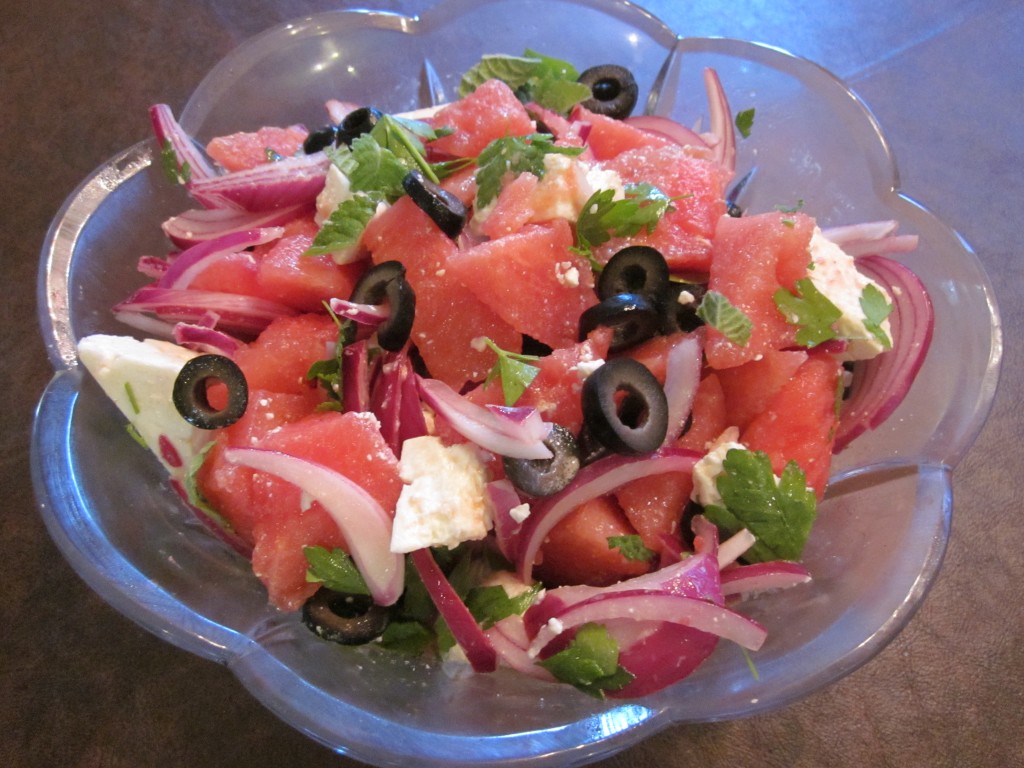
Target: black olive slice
356,123
543,477
634,269
344,618
679,307
613,88
386,282
321,138
624,407
633,319
444,208
190,391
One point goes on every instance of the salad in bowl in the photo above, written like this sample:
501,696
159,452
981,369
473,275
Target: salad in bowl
549,398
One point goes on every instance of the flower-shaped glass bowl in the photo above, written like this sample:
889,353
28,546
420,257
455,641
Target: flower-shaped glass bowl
881,531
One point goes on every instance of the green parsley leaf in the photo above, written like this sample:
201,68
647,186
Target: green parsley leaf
404,139
744,122
603,217
779,514
176,171
514,370
510,156
876,309
720,313
590,662
490,604
335,569
810,310
344,227
631,547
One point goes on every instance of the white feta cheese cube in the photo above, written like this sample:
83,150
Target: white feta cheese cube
834,273
138,376
444,501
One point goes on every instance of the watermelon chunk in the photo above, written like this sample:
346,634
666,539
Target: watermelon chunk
753,257
490,112
449,316
531,280
239,151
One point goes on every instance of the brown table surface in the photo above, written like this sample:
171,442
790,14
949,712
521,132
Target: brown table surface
83,687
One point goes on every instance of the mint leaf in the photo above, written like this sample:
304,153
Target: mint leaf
344,227
514,370
631,547
376,169
876,309
335,569
810,310
744,122
780,515
534,77
404,139
603,217
491,604
514,71
510,156
590,662
718,312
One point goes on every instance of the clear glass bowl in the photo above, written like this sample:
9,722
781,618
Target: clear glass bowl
881,532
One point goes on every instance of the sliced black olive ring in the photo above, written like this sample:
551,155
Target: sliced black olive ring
344,618
624,407
634,269
355,124
679,307
444,208
633,319
544,477
190,391
386,282
613,88
322,138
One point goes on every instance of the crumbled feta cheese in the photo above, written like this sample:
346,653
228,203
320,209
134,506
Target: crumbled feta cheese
834,274
567,274
138,376
685,298
337,190
706,470
444,501
586,367
478,343
520,513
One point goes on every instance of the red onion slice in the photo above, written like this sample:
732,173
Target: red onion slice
596,479
191,262
363,522
168,132
638,605
872,237
682,377
669,129
761,577
244,315
723,144
468,634
504,432
369,315
202,224
881,384
271,186
203,338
